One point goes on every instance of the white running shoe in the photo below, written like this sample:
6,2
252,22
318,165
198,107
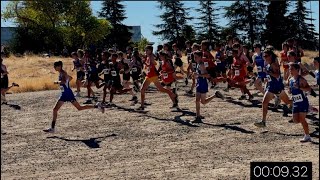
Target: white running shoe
50,130
306,138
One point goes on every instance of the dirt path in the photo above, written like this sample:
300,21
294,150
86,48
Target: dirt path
159,144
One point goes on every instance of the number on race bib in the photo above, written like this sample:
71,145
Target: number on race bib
106,71
134,69
229,53
259,68
165,75
194,65
269,78
297,98
113,73
218,61
206,64
237,73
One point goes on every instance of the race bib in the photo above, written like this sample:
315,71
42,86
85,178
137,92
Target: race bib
194,65
113,73
165,75
106,71
229,53
134,69
218,61
297,98
259,68
268,78
62,88
206,64
237,73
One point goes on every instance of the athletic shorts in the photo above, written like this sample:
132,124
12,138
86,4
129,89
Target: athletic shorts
202,85
152,79
93,77
301,107
126,77
178,62
80,75
275,87
67,96
4,82
239,78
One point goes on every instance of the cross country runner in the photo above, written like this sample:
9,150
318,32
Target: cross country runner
66,96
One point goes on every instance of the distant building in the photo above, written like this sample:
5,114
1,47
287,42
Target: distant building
7,34
136,33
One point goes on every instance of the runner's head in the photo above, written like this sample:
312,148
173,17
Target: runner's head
120,55
196,47
149,49
163,56
236,40
58,65
159,47
188,44
80,53
316,62
114,57
285,47
204,45
269,56
129,50
245,49
198,56
166,46
290,42
218,46
294,69
174,47
257,47
74,55
291,56
105,55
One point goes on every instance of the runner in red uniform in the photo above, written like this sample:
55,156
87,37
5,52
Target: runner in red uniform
152,77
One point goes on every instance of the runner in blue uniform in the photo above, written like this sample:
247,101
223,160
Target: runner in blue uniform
78,65
259,62
202,76
300,102
66,96
274,87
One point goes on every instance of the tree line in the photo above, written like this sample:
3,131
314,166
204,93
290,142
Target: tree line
44,25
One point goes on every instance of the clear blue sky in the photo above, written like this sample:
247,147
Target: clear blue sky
145,14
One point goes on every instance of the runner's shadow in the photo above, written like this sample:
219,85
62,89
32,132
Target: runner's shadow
313,118
129,110
91,143
231,127
14,106
254,103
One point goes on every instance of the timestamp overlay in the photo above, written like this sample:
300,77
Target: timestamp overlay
281,170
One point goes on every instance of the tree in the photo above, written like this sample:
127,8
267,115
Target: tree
142,44
304,32
277,29
247,16
174,18
50,25
113,11
208,28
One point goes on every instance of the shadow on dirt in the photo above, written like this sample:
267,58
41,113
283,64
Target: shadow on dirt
14,106
91,143
231,127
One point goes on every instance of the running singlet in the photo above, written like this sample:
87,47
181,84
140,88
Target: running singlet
151,69
66,91
274,85
260,63
188,51
300,101
239,67
106,71
208,60
167,72
202,83
114,71
193,63
77,64
220,62
284,59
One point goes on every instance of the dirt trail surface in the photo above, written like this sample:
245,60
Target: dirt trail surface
156,144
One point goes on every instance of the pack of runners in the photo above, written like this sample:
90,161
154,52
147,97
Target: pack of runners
234,65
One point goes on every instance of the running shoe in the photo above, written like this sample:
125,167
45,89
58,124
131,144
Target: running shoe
197,120
242,97
15,84
286,110
219,95
189,92
260,124
290,121
175,105
88,102
306,138
50,130
250,98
